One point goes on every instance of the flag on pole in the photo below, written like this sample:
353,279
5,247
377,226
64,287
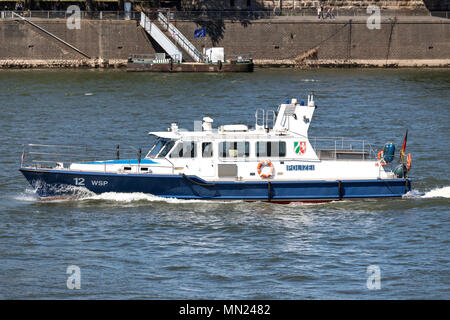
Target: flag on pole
198,33
402,153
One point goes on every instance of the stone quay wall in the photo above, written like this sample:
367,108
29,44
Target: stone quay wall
301,42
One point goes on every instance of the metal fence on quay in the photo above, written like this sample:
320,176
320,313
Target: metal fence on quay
92,15
206,14
135,15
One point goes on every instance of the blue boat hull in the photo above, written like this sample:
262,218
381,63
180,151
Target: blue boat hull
50,183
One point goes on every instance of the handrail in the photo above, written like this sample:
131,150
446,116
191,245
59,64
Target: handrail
180,38
161,38
52,35
61,14
52,153
341,144
54,145
274,13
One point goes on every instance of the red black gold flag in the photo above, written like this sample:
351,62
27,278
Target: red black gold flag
402,153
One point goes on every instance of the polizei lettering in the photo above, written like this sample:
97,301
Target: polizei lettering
300,167
191,310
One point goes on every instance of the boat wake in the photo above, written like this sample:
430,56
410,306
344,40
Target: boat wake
138,196
443,192
29,195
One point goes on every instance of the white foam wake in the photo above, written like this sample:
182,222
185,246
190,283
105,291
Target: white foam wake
138,196
443,192
124,197
29,195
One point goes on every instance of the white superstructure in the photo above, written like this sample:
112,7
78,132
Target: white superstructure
277,148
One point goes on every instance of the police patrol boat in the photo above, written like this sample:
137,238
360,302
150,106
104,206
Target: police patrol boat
274,161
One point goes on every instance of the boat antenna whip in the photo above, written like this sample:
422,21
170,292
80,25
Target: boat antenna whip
22,157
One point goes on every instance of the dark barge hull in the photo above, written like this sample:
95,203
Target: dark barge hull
190,67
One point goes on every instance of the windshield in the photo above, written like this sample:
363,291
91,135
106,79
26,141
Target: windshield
160,143
166,149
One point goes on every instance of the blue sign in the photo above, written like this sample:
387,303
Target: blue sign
198,33
300,167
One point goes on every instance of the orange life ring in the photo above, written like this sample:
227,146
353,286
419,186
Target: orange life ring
408,162
265,163
380,158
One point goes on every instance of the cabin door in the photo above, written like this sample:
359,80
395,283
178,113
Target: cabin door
207,165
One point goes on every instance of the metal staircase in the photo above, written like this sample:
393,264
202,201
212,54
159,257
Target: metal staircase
182,41
161,38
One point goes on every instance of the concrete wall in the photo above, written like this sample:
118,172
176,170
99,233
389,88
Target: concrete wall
98,39
342,40
308,4
269,42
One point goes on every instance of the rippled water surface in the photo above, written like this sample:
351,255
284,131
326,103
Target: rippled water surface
139,246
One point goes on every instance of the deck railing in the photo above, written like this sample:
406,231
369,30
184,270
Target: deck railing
340,148
60,156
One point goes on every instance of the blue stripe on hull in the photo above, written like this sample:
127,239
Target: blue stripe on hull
126,161
57,183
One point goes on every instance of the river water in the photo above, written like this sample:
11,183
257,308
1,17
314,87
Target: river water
140,246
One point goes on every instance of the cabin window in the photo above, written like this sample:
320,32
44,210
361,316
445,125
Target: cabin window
166,149
184,150
207,149
160,143
271,149
234,149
